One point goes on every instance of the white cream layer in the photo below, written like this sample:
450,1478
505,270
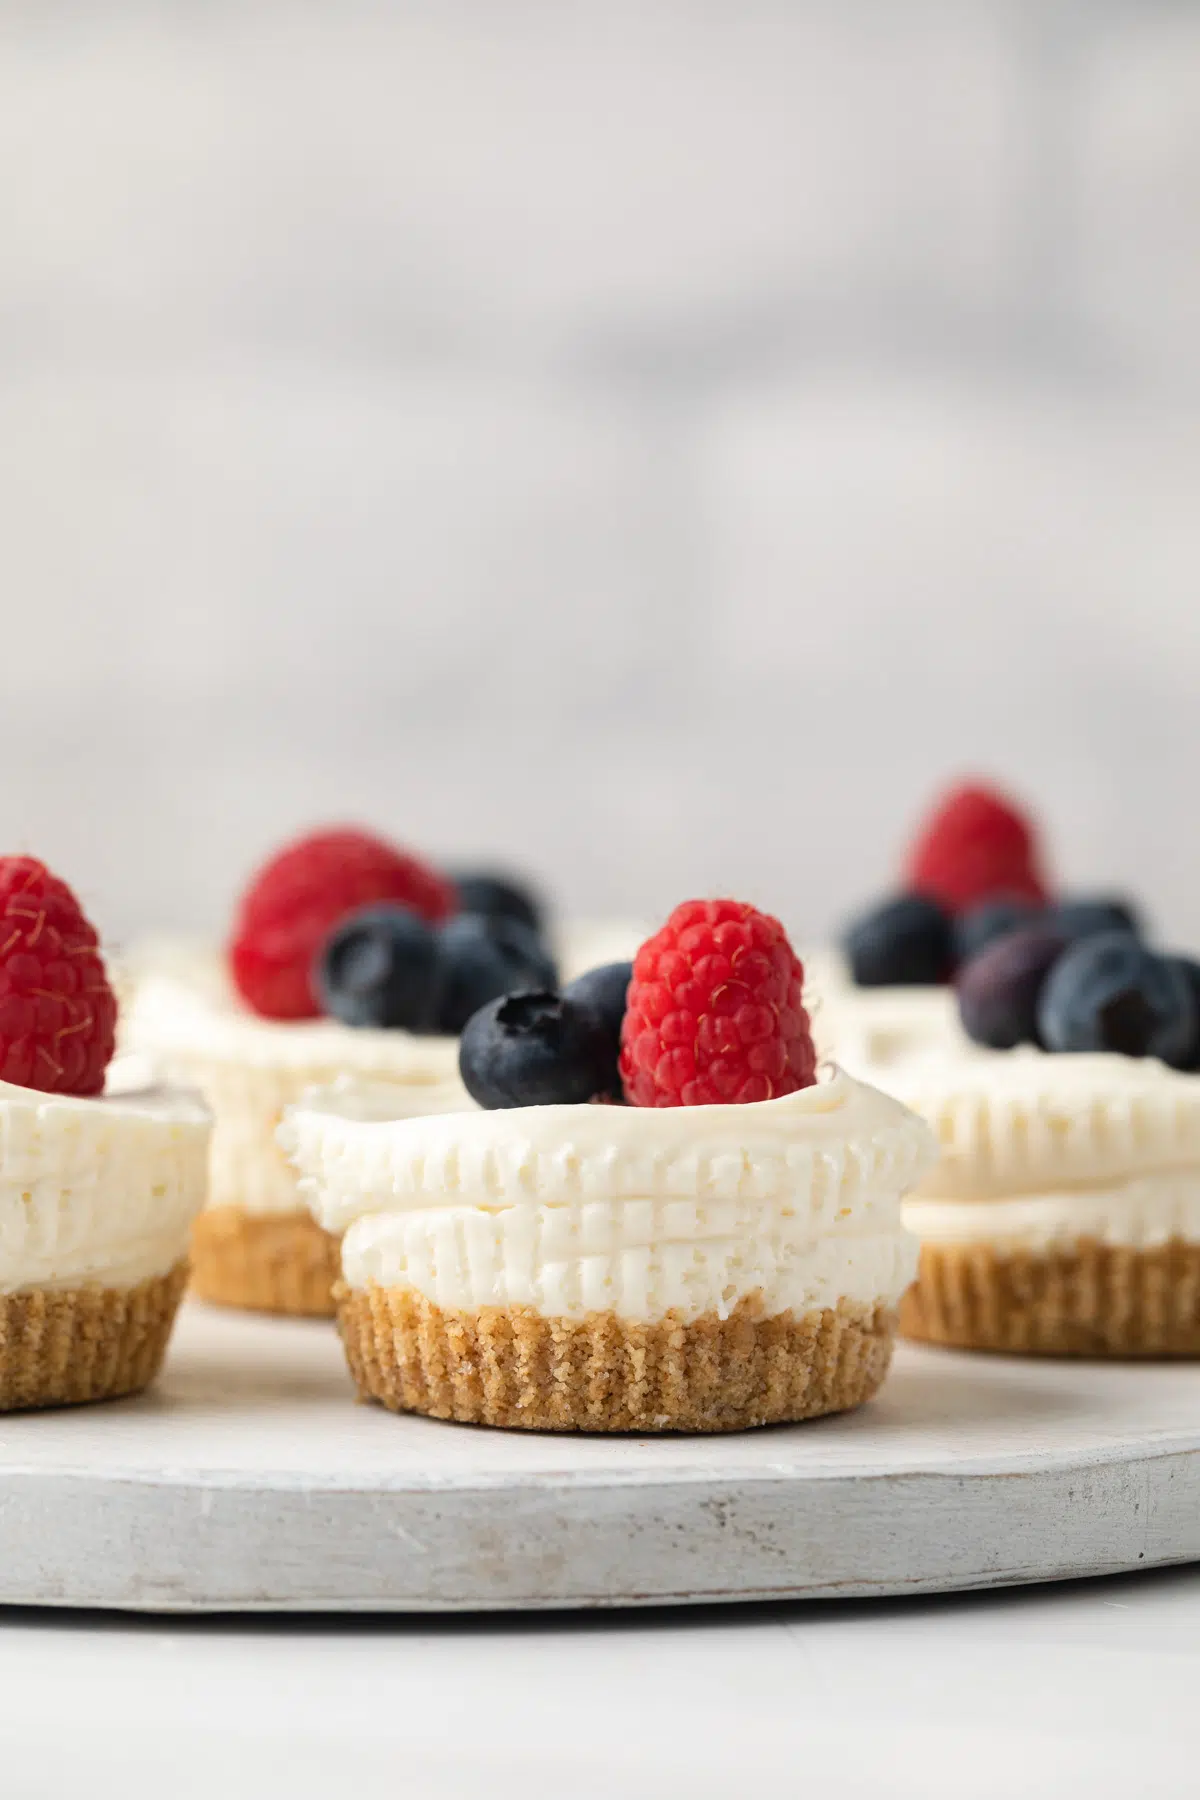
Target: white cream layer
191,1027
641,1212
101,1190
1022,1122
1141,1214
1041,1151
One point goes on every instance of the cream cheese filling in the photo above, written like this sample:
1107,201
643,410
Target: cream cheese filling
98,1190
641,1212
1140,1214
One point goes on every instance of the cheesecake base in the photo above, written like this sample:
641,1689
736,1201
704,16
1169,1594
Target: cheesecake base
1091,1299
264,1262
69,1346
514,1367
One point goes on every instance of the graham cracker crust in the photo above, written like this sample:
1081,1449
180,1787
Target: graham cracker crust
267,1262
510,1366
62,1347
1091,1300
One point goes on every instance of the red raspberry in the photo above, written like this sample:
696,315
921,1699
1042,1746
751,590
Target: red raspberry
715,1012
975,845
58,1014
298,897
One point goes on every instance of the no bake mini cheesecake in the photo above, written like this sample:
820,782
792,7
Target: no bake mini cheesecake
723,1250
1063,1216
99,1181
348,958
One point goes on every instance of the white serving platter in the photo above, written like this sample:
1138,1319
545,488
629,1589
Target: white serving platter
248,1479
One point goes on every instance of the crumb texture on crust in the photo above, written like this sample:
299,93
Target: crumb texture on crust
65,1346
280,1263
1091,1299
514,1367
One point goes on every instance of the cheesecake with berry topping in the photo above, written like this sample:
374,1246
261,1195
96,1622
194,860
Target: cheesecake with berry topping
101,1174
723,1250
1063,1217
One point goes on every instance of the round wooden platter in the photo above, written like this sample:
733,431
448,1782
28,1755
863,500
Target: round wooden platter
248,1479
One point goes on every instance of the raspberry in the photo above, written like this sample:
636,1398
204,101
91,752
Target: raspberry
58,1014
298,897
976,845
715,1012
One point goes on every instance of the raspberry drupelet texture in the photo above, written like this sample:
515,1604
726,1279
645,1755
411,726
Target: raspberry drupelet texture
974,846
715,1011
298,897
58,1014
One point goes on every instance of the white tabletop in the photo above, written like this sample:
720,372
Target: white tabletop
1088,1688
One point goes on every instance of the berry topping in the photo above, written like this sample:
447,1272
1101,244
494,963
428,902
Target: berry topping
381,967
499,897
1190,971
905,942
58,1014
1085,915
483,958
715,1012
603,991
999,989
298,897
537,1049
991,919
1110,993
975,845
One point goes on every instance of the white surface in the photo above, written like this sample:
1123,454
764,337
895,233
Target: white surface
247,1479
1049,1694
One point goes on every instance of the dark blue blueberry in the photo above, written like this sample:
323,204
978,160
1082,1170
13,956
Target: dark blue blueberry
990,920
537,1049
499,897
999,989
1109,992
1087,914
603,991
1190,970
380,967
482,958
906,942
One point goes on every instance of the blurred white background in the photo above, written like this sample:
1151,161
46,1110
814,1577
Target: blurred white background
654,444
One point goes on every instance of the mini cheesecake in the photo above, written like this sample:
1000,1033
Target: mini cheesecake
97,1197
1063,1216
607,1268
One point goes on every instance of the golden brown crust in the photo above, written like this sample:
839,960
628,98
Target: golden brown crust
1091,1300
61,1347
511,1366
268,1262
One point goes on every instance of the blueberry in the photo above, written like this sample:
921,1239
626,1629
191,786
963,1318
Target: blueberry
999,989
904,943
1088,914
603,992
482,958
537,1049
990,920
380,967
499,897
1190,970
1109,992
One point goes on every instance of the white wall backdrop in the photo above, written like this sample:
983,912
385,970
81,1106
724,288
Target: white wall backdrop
654,443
